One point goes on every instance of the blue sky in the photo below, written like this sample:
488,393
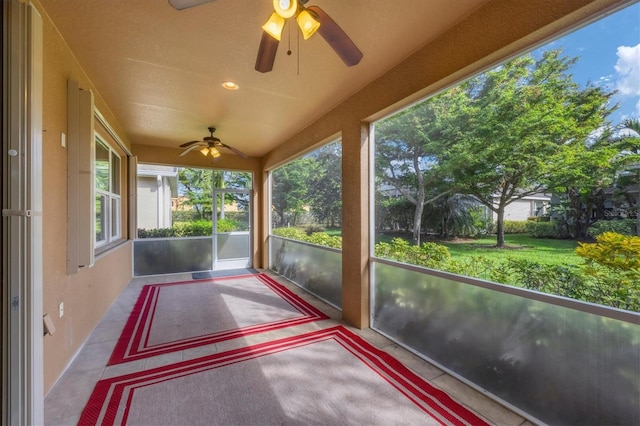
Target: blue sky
609,55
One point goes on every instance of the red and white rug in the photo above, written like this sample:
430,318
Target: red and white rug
329,376
216,310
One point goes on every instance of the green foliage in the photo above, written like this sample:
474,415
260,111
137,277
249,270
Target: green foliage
612,250
318,238
624,227
552,229
515,227
197,187
613,267
430,255
198,228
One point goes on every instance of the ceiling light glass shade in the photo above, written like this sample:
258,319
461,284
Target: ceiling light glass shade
215,153
308,23
204,151
274,26
230,85
285,8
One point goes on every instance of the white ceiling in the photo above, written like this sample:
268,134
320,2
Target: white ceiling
160,69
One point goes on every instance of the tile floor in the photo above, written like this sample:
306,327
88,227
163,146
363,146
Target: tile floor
66,400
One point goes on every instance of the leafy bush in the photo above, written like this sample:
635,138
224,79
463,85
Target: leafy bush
227,225
198,228
515,227
612,250
551,229
156,233
613,269
318,238
430,255
293,233
624,227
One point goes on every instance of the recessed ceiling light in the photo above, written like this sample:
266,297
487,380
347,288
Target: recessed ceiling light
230,85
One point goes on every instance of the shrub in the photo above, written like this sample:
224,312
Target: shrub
156,233
430,255
551,229
293,233
226,225
318,238
616,251
613,270
515,227
197,228
623,226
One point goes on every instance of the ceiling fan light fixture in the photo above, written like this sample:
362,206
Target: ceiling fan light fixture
285,8
215,153
205,151
308,23
274,26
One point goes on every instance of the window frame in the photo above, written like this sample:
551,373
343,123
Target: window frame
111,216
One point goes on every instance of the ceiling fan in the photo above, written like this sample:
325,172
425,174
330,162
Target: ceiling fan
310,19
209,146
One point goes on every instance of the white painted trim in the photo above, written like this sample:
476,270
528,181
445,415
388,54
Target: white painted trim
98,115
23,133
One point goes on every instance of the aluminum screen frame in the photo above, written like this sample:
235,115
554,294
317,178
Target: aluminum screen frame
315,268
559,364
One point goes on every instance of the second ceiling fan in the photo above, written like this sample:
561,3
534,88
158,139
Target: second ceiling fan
310,19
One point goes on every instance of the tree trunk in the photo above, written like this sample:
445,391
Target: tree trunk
500,227
417,219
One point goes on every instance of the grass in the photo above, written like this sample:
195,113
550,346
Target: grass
519,246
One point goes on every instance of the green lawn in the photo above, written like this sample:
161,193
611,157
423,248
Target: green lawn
521,246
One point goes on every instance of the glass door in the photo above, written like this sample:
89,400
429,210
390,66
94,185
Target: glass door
232,221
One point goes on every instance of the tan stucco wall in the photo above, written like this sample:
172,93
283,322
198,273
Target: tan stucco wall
88,294
496,31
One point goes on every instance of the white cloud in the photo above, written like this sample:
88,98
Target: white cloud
628,70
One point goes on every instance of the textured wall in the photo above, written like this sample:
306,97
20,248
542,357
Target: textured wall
88,294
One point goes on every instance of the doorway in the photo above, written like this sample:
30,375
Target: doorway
192,220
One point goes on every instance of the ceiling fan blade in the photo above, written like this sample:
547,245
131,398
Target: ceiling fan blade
240,153
185,4
186,144
191,148
266,53
337,38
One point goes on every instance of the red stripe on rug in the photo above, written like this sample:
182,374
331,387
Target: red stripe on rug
134,343
111,400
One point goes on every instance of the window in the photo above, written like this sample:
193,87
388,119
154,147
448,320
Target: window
107,194
306,195
518,142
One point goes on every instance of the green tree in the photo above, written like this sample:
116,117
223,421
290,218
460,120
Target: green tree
289,189
196,185
628,161
409,146
325,185
514,121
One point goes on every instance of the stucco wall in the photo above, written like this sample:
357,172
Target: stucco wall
88,294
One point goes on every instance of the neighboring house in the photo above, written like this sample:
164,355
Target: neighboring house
156,187
534,205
